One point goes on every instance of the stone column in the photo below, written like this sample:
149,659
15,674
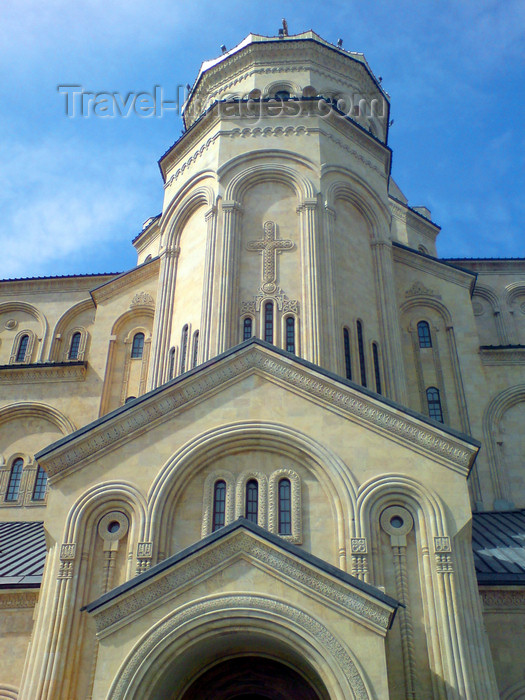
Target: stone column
209,280
163,317
329,355
226,270
389,323
310,263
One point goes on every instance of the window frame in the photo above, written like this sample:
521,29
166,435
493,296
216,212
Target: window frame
424,334
37,486
137,346
16,478
432,403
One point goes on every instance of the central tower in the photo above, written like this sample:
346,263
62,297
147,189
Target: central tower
276,219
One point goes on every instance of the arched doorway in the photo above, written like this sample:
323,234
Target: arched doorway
251,678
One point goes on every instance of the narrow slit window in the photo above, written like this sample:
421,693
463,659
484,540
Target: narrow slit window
74,346
268,322
285,507
434,404
290,334
171,364
348,357
423,334
252,500
183,349
377,372
137,347
195,349
219,505
15,477
22,348
39,491
361,349
247,328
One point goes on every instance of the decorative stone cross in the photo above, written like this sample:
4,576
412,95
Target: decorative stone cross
270,247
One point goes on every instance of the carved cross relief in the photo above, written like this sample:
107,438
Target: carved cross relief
270,246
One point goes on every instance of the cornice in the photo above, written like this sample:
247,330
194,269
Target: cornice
202,136
126,281
416,221
25,287
12,600
503,600
275,57
45,372
504,355
492,266
241,544
433,266
339,395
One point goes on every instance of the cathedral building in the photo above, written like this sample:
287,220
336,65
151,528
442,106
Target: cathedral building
283,457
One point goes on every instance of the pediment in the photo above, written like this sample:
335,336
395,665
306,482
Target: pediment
242,541
284,370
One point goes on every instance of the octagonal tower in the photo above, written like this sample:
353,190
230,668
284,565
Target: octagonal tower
276,219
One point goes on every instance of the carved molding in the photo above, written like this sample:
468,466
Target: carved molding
239,605
161,405
18,599
503,600
48,372
124,281
502,356
418,289
442,544
142,299
166,584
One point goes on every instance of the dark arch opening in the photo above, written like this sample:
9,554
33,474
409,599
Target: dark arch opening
251,678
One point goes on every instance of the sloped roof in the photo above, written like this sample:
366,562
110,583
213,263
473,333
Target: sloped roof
498,541
22,554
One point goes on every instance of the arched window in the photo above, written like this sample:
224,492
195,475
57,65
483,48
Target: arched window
377,373
15,477
22,348
74,346
348,358
252,500
423,333
268,322
183,349
285,507
219,505
290,334
195,349
247,328
40,488
137,347
434,404
282,95
171,364
361,348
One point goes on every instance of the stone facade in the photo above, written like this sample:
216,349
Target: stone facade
288,325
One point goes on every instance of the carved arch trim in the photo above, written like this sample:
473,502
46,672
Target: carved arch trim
57,350
494,412
333,474
261,172
214,615
21,410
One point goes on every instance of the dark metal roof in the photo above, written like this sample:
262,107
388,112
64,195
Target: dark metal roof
498,541
22,554
60,277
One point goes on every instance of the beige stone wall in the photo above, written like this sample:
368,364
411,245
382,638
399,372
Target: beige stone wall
16,624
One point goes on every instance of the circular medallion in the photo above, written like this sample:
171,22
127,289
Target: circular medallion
11,324
113,526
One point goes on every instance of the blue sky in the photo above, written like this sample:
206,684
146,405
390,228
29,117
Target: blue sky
74,192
